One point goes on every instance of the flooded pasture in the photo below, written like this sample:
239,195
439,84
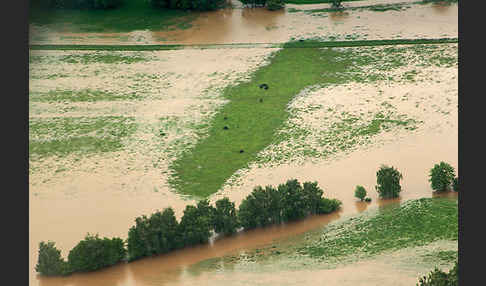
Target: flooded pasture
103,194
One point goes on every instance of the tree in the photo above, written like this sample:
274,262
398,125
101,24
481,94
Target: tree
225,220
360,192
388,182
138,242
273,5
293,201
441,176
253,211
440,278
94,253
196,223
312,195
328,205
163,231
455,184
50,262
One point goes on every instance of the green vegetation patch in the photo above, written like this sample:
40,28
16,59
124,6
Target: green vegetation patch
313,1
414,223
62,136
105,58
441,256
253,115
132,15
251,120
84,95
346,240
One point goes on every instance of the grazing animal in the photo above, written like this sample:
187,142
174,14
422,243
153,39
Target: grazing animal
225,118
241,151
264,86
225,128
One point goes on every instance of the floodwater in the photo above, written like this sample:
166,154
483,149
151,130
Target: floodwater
78,209
258,25
413,156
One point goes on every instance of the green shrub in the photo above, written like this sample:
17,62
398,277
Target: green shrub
439,278
388,182
455,184
360,192
368,200
273,5
441,176
293,201
254,3
50,262
328,205
312,196
196,224
225,220
154,235
336,4
290,201
94,253
260,208
200,5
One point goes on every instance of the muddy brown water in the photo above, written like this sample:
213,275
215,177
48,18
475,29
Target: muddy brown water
64,216
413,156
258,25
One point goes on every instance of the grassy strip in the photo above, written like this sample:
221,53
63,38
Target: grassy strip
376,7
63,136
295,44
132,15
85,95
313,1
105,47
102,58
414,223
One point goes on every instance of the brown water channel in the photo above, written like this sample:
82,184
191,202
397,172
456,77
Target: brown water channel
258,25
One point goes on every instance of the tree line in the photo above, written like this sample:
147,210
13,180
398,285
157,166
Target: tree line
197,5
161,232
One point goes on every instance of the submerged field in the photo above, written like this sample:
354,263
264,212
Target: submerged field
129,129
403,241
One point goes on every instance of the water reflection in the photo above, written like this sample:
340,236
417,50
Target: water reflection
441,7
114,275
361,206
338,15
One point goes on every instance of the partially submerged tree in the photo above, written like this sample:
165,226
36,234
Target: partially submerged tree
196,223
225,220
50,262
441,176
94,253
388,182
273,5
440,278
360,192
455,184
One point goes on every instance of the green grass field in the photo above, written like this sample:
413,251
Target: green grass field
414,223
64,136
132,15
254,115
